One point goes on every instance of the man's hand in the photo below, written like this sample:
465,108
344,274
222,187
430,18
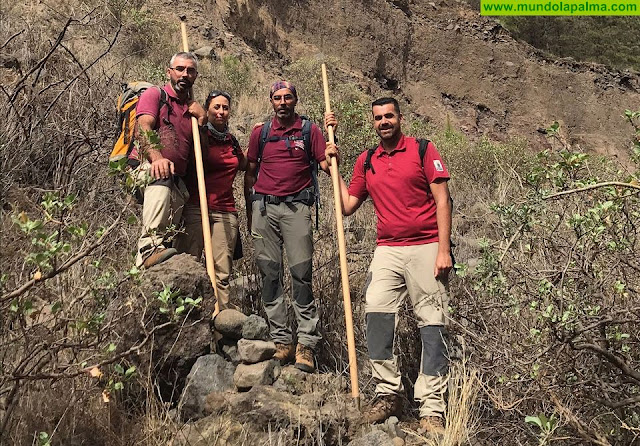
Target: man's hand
330,121
443,264
332,152
162,168
196,110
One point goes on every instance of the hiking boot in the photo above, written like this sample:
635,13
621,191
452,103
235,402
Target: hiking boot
433,426
383,407
158,256
304,359
284,353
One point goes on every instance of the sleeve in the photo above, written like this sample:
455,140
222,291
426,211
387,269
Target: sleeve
434,167
252,152
358,184
318,144
149,102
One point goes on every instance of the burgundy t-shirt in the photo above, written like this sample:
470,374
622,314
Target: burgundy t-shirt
400,192
173,125
285,171
220,167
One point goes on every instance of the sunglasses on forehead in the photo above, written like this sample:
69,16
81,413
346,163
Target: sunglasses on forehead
180,69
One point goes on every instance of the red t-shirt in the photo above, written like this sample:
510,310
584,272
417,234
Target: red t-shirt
176,137
400,192
285,171
220,167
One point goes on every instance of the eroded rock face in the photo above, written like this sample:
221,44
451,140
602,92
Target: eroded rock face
210,373
171,341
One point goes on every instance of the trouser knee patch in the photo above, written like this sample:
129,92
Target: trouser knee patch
301,283
271,283
380,333
434,350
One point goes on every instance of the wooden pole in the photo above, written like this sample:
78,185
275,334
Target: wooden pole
348,312
202,191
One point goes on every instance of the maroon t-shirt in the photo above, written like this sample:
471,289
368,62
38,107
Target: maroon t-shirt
173,125
220,167
400,192
285,171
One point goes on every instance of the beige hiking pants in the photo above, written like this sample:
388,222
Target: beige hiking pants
161,209
395,273
224,232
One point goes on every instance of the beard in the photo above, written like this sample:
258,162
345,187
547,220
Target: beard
182,85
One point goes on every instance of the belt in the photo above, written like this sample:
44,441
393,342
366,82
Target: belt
306,196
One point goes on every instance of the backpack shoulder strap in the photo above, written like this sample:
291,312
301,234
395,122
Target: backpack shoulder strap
236,145
306,137
367,161
422,149
264,136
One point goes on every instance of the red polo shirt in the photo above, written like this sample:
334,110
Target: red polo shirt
400,192
220,167
176,137
285,171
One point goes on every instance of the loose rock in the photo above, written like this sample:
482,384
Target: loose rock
255,327
211,373
252,351
229,323
250,375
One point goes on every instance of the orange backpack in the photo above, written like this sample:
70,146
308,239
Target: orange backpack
126,107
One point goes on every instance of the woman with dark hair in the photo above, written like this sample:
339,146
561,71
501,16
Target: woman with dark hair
222,158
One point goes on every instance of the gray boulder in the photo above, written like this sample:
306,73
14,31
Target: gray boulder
229,323
250,375
205,52
373,438
252,351
255,327
210,373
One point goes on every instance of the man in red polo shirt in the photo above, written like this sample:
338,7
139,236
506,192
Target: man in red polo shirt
168,113
413,258
279,191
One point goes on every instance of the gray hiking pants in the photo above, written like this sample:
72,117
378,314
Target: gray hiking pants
288,226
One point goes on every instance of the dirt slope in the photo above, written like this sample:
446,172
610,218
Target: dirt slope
443,59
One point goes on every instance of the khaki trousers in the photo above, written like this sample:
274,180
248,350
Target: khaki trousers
224,232
288,226
395,273
161,210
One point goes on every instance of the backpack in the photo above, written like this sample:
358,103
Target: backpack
306,137
422,151
126,106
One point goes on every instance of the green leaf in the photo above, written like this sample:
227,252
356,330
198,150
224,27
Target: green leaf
533,420
180,309
130,371
111,348
118,386
118,368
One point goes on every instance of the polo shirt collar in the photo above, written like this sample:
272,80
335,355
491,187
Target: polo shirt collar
297,124
401,146
171,93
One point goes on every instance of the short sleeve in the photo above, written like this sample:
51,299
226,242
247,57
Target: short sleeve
434,167
318,144
149,103
252,153
358,184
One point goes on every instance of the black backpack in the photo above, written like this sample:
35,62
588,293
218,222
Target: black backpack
422,151
306,138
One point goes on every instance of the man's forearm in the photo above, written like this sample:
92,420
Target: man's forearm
443,218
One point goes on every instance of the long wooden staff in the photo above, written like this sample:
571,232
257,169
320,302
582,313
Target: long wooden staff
348,314
204,208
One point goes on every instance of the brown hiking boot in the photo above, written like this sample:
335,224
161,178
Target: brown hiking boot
433,426
383,407
304,359
159,255
284,353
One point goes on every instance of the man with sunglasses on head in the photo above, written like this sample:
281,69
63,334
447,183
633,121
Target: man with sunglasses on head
279,191
167,111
